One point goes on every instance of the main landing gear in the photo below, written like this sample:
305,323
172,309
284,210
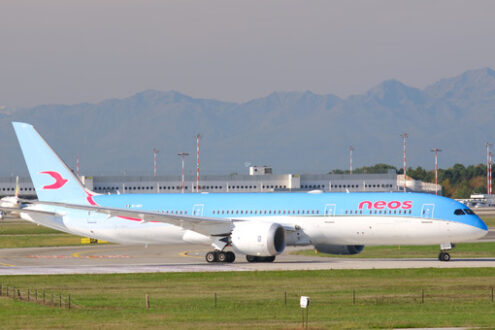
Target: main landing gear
229,257
220,256
260,259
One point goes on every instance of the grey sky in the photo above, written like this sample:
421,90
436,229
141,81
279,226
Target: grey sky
76,51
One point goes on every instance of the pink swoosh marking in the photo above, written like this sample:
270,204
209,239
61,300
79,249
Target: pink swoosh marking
92,202
59,181
90,198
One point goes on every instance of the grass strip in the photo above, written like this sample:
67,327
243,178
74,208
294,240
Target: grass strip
383,299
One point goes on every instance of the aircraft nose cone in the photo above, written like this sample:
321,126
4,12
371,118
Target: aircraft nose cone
481,224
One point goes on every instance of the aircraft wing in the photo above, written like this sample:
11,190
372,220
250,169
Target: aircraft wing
9,210
203,225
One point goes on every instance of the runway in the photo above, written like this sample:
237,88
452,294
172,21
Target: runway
100,259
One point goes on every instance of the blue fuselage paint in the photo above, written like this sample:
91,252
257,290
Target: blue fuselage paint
252,205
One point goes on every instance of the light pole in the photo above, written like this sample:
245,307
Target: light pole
488,169
404,137
155,151
77,166
197,162
182,155
490,154
351,149
436,151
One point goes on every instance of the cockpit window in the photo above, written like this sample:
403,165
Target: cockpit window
468,211
459,212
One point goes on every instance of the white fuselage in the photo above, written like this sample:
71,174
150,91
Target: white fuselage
338,230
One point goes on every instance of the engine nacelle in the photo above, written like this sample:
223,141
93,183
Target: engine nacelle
10,201
258,238
339,249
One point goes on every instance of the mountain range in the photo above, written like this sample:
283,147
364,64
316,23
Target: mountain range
298,132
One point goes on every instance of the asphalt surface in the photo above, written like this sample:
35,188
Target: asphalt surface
98,259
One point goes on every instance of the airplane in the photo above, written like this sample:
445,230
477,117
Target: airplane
258,225
11,202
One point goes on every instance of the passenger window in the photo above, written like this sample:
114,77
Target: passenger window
459,212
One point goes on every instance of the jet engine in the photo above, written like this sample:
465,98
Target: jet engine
339,249
258,238
10,202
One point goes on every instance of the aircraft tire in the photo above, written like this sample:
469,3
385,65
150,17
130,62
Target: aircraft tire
446,256
260,259
270,259
440,256
211,257
230,256
222,256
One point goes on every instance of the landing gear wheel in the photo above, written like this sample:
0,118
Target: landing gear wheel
221,256
211,256
260,259
444,256
230,256
270,259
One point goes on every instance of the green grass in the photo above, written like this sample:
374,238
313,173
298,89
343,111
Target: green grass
24,228
19,234
489,220
384,299
462,250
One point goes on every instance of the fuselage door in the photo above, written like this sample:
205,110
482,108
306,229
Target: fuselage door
330,210
91,218
198,210
427,211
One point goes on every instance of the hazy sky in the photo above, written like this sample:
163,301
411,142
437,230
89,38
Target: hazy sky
76,51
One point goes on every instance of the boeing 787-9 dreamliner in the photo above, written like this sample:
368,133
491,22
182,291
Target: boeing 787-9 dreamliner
258,225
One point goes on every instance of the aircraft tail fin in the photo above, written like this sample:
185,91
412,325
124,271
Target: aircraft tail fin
52,178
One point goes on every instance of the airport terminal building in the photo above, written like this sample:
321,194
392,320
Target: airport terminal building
259,179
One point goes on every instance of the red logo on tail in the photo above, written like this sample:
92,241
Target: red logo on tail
59,181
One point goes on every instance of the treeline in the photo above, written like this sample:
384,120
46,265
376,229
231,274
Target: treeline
457,181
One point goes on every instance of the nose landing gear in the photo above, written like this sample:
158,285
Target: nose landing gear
444,255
